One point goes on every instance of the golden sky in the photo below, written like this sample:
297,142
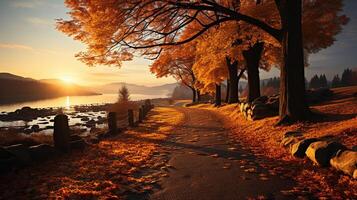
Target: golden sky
30,46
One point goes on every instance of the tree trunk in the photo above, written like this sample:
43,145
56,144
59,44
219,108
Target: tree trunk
238,78
218,101
252,57
227,91
232,72
193,94
198,95
293,106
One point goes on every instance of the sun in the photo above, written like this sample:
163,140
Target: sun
67,79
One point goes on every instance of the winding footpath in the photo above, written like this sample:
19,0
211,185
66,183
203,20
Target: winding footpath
207,164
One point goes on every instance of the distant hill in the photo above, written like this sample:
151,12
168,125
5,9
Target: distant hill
14,89
113,88
14,77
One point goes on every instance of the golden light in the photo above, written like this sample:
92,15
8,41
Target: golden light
67,79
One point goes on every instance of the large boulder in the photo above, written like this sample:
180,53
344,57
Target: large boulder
345,161
298,149
289,141
292,134
260,100
21,153
42,152
322,151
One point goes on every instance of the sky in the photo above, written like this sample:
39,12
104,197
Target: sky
30,46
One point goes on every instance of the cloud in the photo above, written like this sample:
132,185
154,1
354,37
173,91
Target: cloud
26,4
15,46
39,21
27,48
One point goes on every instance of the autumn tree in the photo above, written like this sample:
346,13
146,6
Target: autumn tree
177,61
218,59
113,30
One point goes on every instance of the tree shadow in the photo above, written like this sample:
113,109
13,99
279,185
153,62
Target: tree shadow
318,117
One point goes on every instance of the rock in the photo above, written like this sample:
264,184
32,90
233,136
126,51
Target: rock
288,141
260,100
322,151
298,149
91,122
27,131
345,161
292,134
42,152
84,119
78,144
35,128
21,153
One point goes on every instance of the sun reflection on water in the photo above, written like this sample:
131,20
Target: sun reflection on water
68,103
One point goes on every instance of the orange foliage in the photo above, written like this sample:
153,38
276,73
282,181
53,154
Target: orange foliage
176,61
107,170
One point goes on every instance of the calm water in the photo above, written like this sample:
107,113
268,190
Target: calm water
74,100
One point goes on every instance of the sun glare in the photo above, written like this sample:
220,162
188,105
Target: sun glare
67,79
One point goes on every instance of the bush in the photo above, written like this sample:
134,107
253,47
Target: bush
8,138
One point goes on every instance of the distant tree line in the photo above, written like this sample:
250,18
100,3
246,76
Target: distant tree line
348,78
318,81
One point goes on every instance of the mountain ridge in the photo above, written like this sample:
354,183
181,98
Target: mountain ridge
15,89
112,88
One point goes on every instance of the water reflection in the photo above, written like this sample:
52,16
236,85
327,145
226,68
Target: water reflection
68,104
74,100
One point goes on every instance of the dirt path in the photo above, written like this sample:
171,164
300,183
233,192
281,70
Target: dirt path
177,153
207,164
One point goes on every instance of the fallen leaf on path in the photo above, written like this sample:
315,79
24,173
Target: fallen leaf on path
251,170
214,155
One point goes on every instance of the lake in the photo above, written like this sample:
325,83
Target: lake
74,100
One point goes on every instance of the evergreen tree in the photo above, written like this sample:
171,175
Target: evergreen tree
124,95
347,77
314,82
322,81
336,82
